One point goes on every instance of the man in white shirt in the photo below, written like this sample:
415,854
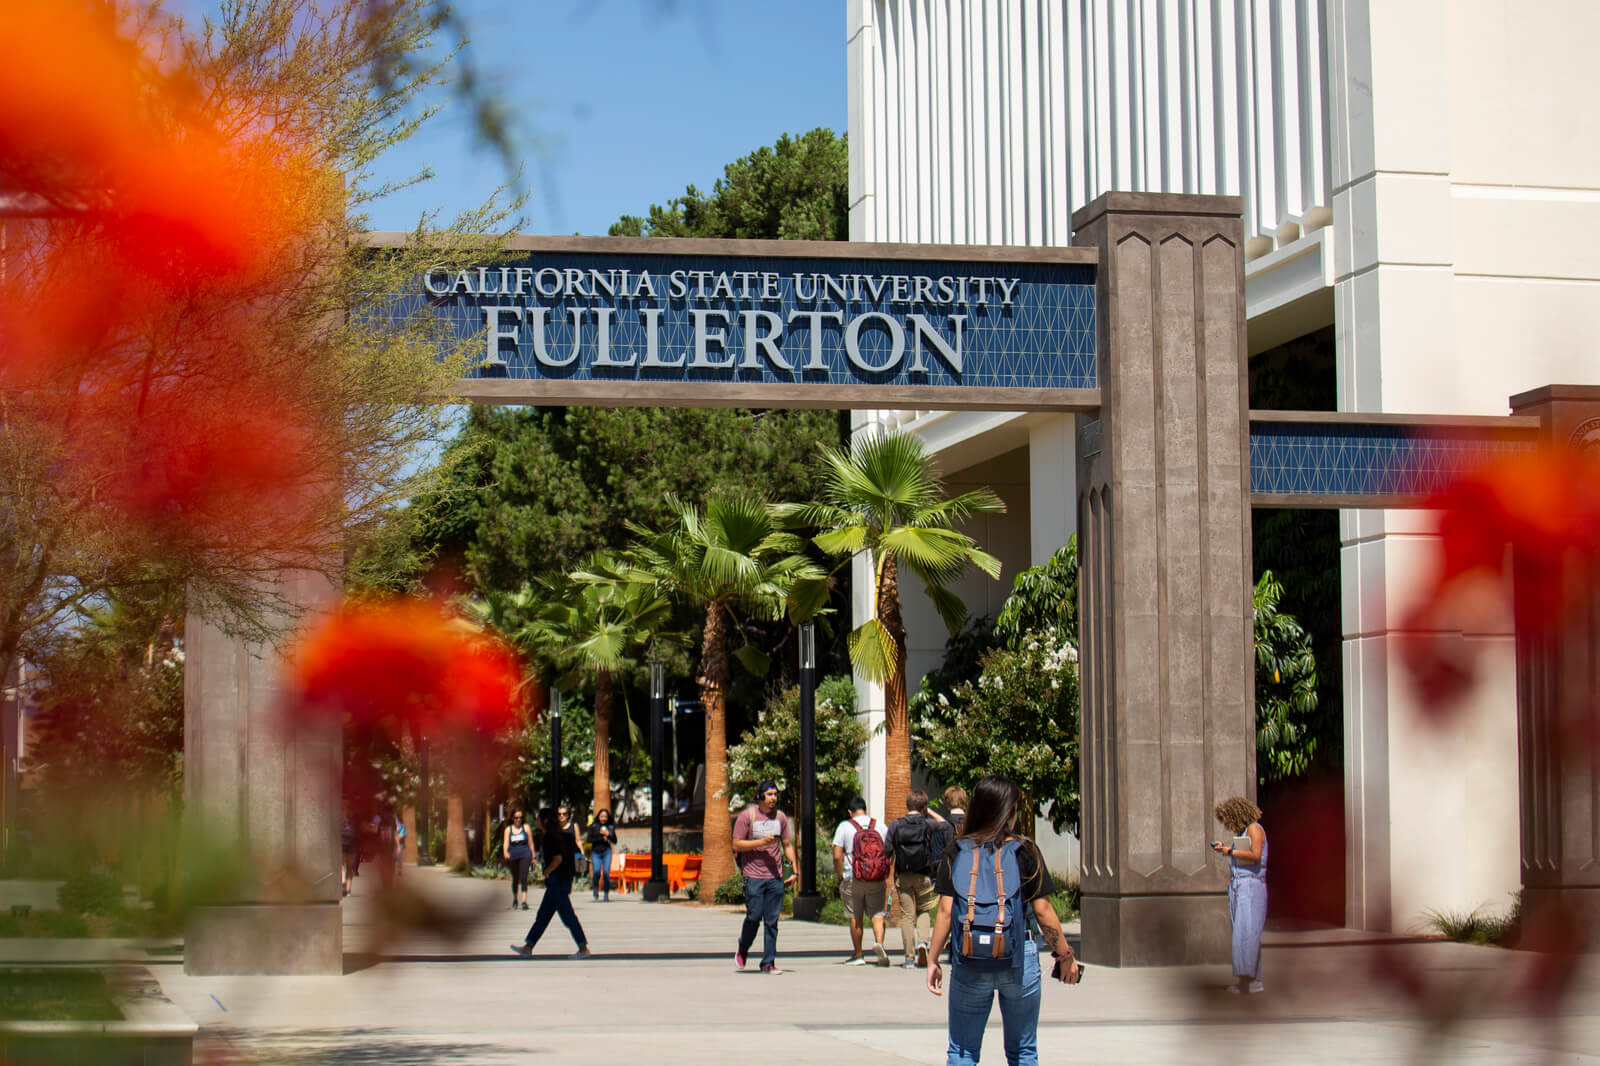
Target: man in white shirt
861,896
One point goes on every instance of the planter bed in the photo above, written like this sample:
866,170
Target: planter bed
100,1016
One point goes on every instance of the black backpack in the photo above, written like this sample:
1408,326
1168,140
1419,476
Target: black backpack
914,845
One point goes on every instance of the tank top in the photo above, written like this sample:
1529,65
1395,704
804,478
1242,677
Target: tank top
520,847
1243,871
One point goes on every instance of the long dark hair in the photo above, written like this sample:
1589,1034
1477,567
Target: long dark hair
993,810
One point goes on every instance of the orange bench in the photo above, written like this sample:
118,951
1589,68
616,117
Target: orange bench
688,870
635,872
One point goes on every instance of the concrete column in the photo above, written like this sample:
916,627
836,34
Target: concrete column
1168,720
1558,721
263,800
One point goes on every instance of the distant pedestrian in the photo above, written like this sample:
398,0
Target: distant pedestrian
349,852
516,846
399,846
557,848
857,842
602,839
1247,888
955,805
988,882
570,827
759,833
915,841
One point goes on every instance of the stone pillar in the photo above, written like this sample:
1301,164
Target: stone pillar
261,802
1558,721
1168,686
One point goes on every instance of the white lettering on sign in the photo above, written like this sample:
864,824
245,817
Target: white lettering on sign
921,320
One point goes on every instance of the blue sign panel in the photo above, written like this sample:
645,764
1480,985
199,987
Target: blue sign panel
594,316
1378,462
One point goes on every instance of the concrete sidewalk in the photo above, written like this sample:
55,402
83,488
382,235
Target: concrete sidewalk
662,989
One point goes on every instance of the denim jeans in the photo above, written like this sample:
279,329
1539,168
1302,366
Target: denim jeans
763,903
600,872
971,995
557,900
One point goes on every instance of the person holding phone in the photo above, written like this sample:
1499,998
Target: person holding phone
1247,888
602,838
762,837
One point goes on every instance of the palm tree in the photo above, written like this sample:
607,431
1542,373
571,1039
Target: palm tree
588,622
729,557
885,498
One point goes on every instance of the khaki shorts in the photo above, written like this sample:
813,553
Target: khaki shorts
863,897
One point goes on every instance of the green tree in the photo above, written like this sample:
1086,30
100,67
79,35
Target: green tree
1043,597
728,558
798,189
1019,718
885,498
588,622
770,750
1286,688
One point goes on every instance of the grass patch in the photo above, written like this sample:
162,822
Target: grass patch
1478,927
34,995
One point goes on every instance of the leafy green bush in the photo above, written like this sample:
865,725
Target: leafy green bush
770,750
730,891
9,926
1067,899
91,892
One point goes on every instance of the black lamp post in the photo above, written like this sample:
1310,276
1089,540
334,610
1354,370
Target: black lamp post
808,901
657,887
425,817
555,748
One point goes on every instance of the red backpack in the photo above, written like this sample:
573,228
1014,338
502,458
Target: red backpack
869,861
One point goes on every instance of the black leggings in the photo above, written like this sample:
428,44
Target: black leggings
519,875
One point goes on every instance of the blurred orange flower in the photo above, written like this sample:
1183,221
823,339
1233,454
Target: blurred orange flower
410,661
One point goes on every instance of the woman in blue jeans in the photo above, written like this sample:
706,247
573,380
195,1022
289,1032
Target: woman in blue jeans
557,850
991,820
602,838
1247,889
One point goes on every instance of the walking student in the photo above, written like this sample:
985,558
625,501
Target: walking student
602,838
557,846
915,841
1247,889
516,846
862,865
761,837
988,884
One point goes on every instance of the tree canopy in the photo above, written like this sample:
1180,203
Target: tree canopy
798,189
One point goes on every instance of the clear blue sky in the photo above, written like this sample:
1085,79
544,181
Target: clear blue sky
619,104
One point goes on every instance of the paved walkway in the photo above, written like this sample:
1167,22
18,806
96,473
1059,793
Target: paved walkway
662,989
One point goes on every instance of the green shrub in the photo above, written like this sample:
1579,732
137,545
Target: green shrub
771,748
91,893
9,926
730,891
832,913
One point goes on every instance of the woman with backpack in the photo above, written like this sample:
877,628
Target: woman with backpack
992,951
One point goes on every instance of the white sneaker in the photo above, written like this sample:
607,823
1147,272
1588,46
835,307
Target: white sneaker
582,953
1257,986
922,954
855,960
879,956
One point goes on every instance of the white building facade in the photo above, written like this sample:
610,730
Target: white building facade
1421,175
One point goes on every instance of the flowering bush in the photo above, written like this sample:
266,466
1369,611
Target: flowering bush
771,750
1020,718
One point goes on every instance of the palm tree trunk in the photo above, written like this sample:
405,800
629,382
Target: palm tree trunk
716,829
897,724
455,833
602,741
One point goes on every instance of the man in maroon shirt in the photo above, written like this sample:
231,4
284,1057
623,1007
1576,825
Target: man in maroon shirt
758,834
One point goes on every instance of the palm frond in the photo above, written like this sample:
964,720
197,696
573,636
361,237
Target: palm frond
872,650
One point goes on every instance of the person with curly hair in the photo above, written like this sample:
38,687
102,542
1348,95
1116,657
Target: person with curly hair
1247,888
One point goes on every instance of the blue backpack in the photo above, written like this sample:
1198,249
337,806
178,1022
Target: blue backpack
990,926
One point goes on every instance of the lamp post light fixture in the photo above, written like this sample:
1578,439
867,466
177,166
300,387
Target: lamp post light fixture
555,748
808,901
657,887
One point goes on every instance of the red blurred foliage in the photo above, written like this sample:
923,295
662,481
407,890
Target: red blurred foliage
148,267
1541,509
410,662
